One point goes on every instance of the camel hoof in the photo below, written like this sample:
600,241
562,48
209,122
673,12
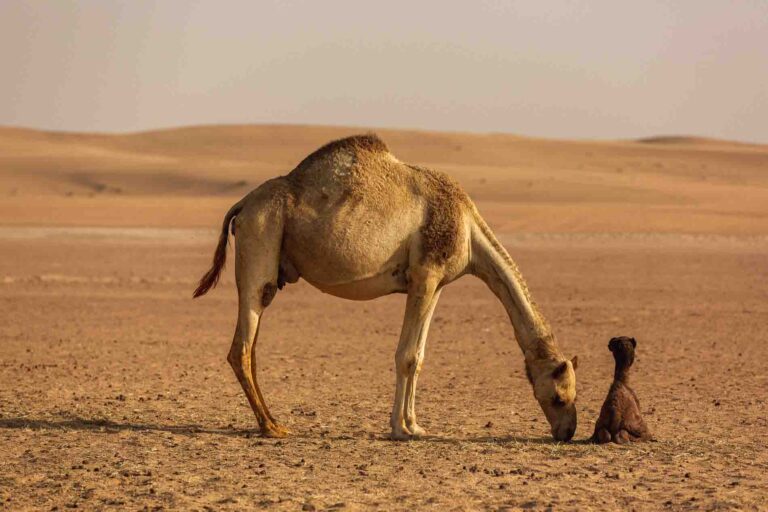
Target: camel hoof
602,436
416,431
400,435
275,432
621,437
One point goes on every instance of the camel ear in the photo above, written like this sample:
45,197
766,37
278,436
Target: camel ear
557,372
575,362
612,344
634,343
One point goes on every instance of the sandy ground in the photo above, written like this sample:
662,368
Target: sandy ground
115,392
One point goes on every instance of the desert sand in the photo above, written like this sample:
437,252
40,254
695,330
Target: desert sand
115,392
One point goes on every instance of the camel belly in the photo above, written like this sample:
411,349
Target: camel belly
351,249
351,265
368,288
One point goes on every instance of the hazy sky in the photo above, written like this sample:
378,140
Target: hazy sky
582,69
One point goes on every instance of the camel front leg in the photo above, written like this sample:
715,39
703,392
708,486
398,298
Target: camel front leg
422,297
410,388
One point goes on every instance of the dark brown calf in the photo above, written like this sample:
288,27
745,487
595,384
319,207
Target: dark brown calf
620,420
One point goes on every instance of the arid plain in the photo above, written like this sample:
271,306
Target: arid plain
115,392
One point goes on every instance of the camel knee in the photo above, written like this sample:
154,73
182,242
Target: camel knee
238,359
234,361
406,363
237,366
419,364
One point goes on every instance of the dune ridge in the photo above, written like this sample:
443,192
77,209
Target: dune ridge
187,176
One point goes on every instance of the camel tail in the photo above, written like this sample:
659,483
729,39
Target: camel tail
211,278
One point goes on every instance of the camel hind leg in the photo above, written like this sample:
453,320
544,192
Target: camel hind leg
259,232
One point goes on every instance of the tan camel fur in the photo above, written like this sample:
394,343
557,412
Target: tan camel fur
356,222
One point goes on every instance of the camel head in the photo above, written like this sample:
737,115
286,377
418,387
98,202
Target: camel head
554,386
623,349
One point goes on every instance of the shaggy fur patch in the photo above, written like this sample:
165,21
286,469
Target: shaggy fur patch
443,227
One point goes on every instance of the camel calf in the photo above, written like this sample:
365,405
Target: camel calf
620,420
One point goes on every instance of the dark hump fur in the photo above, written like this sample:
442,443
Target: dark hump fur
369,142
442,229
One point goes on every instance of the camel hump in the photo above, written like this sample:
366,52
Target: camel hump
365,143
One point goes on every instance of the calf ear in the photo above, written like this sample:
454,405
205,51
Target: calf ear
575,362
557,372
634,343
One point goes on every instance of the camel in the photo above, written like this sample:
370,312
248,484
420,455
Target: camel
357,223
620,420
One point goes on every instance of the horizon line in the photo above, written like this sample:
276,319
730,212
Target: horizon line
660,138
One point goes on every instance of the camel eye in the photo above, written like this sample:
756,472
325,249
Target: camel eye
557,401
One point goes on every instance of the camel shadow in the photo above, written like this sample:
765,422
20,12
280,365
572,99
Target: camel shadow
109,426
104,425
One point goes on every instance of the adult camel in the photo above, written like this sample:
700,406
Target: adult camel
356,222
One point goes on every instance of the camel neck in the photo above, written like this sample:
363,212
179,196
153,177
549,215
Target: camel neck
621,373
492,264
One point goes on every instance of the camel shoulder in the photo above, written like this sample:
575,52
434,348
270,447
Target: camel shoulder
447,204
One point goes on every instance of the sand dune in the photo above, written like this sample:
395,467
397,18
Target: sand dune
188,176
699,142
114,385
